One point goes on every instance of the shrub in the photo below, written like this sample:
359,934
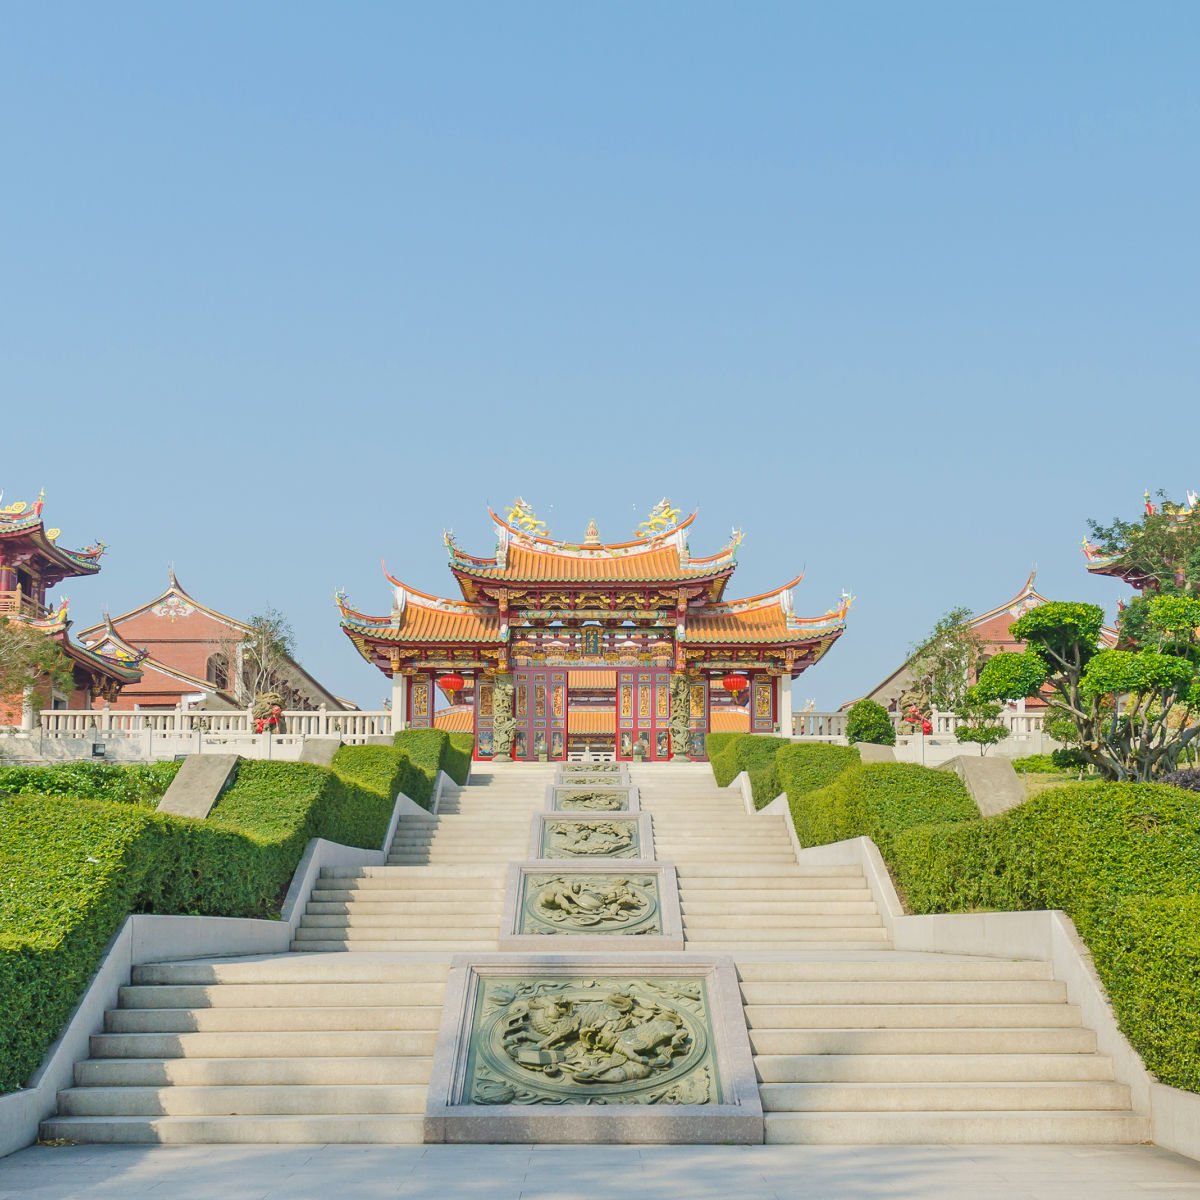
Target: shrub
1037,764
70,870
1122,860
424,747
1149,959
719,747
137,783
868,721
457,763
805,766
879,801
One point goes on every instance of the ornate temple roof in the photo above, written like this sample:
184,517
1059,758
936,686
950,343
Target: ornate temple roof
1117,565
659,555
418,617
767,618
22,521
116,659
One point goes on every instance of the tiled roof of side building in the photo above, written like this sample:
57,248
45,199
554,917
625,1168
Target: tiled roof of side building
417,620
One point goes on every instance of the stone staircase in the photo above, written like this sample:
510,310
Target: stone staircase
299,1048
853,1041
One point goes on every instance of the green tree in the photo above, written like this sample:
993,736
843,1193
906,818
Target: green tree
944,664
979,722
1159,552
28,658
867,721
1135,711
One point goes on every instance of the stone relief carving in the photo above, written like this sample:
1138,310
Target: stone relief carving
590,904
504,724
592,1041
592,839
594,801
592,769
681,715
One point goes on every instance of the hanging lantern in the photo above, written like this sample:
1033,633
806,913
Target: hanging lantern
452,684
733,682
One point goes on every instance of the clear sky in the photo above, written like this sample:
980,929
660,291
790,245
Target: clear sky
907,291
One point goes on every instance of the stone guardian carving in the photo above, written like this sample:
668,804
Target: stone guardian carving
681,718
504,724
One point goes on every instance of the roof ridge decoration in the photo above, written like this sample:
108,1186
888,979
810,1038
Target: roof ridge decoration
403,592
20,516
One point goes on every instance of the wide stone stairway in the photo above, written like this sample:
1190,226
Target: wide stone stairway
853,1041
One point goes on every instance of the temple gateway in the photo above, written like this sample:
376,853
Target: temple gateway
612,649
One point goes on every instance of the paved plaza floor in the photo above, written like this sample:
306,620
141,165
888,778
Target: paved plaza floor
598,1172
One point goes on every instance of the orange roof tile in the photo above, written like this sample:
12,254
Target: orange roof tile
454,720
591,720
735,720
422,623
595,680
525,563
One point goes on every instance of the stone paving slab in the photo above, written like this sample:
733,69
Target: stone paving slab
598,1173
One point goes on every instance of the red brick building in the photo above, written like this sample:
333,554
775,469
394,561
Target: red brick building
193,655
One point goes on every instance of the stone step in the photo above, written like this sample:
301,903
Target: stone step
397,945
941,1128
895,967
245,1100
211,1020
1074,1040
289,969
263,1043
239,1072
419,910
748,910
942,1097
784,923
462,876
782,938
406,895
910,1016
743,946
899,992
343,927
931,1068
747,876
418,924
329,1129
694,893
280,995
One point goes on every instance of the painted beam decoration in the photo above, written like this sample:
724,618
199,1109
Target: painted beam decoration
593,646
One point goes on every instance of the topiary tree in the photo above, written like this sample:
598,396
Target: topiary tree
868,721
979,722
1136,710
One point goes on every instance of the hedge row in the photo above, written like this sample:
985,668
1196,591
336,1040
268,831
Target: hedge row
138,783
72,869
775,764
1122,860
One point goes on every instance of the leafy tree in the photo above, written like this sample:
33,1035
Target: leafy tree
944,663
1135,711
1159,552
263,654
867,721
28,658
979,722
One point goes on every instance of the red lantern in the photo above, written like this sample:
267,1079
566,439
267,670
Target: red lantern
733,682
452,683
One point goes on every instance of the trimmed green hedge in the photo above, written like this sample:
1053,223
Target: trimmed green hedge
806,766
70,871
135,783
457,761
879,801
1122,860
719,747
58,908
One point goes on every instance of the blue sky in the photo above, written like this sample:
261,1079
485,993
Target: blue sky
906,291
